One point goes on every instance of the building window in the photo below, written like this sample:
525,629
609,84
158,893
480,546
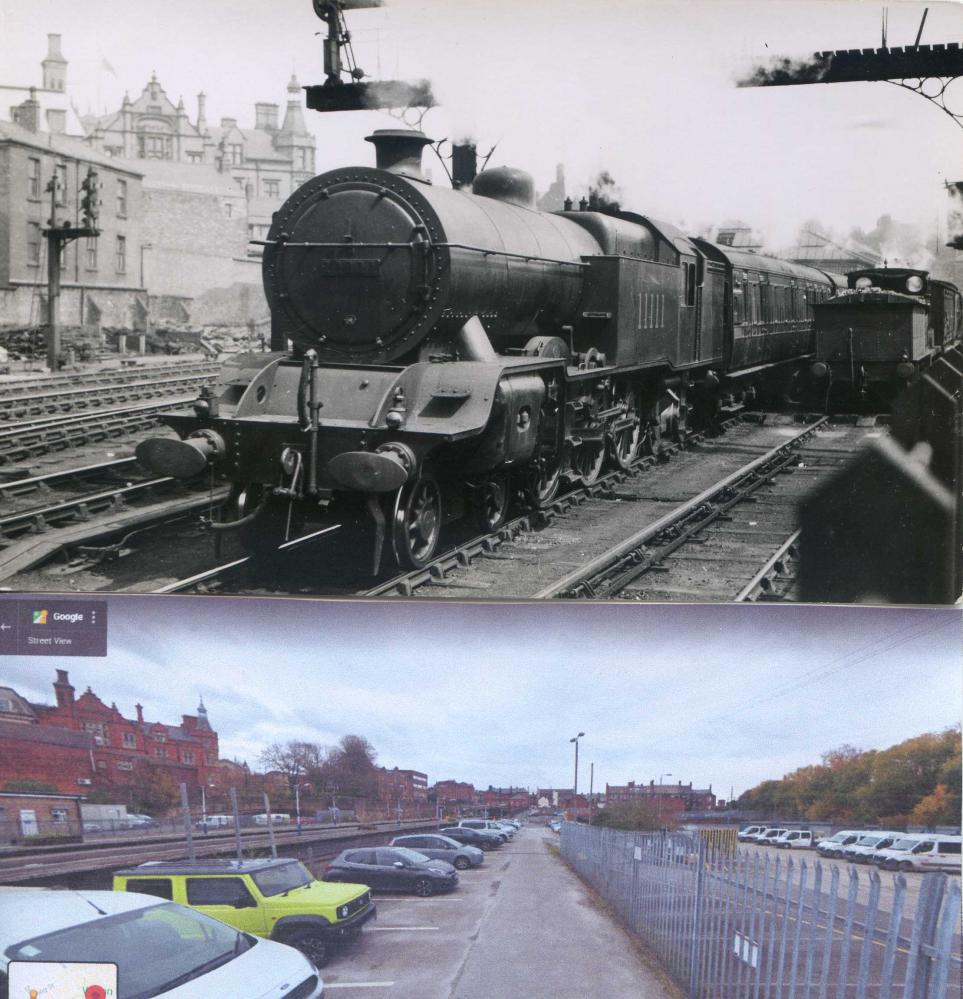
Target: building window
61,174
160,737
33,179
121,199
98,731
235,153
122,269
33,243
92,266
209,759
125,765
161,751
229,209
130,740
187,756
272,188
58,814
195,157
101,764
5,705
154,147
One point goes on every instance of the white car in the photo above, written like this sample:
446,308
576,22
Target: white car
922,852
160,948
833,846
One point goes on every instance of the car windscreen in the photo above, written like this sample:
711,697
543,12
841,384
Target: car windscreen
156,949
275,880
904,844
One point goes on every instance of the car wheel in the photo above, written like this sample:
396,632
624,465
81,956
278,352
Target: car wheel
462,863
423,887
312,945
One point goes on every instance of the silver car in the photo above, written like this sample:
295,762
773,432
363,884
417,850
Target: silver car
438,847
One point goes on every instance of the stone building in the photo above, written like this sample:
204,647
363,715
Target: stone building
101,279
82,743
45,108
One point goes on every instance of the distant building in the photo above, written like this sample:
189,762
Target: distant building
449,793
817,250
668,798
25,815
83,743
505,799
101,280
46,108
408,788
736,234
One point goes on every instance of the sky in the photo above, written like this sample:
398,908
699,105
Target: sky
641,88
492,693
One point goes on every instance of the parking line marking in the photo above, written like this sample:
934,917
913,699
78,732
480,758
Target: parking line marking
392,929
357,985
380,900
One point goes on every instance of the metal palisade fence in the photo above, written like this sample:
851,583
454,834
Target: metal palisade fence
734,924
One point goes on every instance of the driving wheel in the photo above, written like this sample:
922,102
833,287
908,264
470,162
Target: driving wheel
490,502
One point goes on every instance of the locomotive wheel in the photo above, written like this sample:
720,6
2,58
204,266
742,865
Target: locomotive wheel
587,460
625,444
490,502
545,469
416,525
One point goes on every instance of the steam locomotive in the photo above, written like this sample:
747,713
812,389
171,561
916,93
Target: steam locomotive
438,351
878,334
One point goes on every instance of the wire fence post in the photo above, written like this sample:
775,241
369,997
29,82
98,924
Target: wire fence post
237,825
186,811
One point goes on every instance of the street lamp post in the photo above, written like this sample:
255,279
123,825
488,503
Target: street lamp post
297,804
660,795
575,739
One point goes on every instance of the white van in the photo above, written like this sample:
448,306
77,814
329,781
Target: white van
769,836
216,822
749,833
863,850
833,846
277,819
795,839
923,852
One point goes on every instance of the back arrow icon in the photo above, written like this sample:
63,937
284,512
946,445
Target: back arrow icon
5,627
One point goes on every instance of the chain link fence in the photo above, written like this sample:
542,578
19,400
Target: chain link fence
740,924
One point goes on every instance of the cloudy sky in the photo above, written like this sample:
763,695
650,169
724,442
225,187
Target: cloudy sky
720,695
642,88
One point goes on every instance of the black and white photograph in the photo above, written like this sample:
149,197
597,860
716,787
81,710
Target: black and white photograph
643,301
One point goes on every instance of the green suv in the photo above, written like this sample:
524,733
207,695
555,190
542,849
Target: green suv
277,899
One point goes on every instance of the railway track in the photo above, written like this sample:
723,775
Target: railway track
20,406
32,438
103,377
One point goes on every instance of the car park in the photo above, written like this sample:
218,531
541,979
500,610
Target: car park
749,833
484,839
794,839
863,850
160,948
259,897
832,846
390,868
435,846
922,852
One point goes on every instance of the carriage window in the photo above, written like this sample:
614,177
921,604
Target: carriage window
738,304
690,284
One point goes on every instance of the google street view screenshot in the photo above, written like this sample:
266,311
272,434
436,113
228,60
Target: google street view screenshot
480,499
273,797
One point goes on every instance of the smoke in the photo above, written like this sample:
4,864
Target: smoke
954,219
783,71
604,193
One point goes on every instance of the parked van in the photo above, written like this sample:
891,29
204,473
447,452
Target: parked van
749,833
216,822
277,819
923,852
863,850
795,839
770,835
831,847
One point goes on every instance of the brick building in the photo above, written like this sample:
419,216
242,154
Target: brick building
83,743
450,794
25,815
670,799
409,788
100,277
505,800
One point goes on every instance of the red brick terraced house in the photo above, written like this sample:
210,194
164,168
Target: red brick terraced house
669,799
81,743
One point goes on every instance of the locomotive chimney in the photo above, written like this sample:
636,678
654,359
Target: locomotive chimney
464,164
398,150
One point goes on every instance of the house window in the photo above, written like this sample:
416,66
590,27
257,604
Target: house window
187,756
92,266
33,243
235,153
121,199
272,188
130,740
209,759
98,731
121,255
160,737
61,183
195,157
33,179
125,765
161,751
58,814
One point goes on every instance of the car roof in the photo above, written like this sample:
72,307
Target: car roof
27,913
152,867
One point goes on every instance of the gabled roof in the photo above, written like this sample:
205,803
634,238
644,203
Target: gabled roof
63,145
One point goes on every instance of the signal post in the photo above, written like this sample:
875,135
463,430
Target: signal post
57,237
